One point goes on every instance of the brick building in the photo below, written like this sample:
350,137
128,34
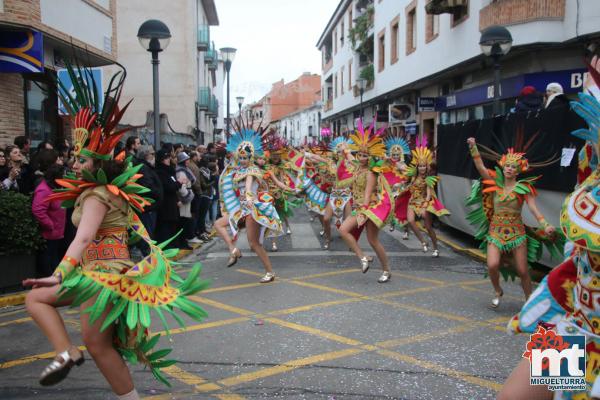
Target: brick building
286,98
36,36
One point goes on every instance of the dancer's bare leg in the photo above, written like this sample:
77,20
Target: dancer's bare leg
345,231
413,224
221,227
428,220
253,233
326,221
100,346
517,386
41,304
373,237
522,268
493,264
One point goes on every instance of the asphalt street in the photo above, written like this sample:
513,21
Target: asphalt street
322,330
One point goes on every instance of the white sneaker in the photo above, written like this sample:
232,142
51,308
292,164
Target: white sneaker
321,233
194,240
289,231
405,236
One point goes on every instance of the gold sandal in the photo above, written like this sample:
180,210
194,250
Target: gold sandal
233,258
60,367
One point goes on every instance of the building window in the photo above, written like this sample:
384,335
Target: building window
381,50
310,130
460,15
411,27
334,85
341,81
432,27
350,18
394,33
41,109
350,74
342,31
335,42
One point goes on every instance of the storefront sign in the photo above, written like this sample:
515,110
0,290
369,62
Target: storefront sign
426,104
571,80
401,113
65,79
21,51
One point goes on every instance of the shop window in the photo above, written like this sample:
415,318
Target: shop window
41,110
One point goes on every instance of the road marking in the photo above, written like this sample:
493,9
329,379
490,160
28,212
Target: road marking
441,369
506,295
325,253
30,359
15,321
293,310
326,288
304,237
222,306
288,366
314,331
205,325
231,287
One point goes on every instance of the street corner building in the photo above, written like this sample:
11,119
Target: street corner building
36,37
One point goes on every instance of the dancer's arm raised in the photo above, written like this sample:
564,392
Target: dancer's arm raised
477,159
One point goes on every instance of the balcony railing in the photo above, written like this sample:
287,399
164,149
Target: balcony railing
203,37
328,105
204,98
211,54
328,65
512,12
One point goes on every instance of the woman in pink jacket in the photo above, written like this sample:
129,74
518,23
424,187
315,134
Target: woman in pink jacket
49,214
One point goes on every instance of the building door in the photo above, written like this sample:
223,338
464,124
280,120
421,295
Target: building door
428,131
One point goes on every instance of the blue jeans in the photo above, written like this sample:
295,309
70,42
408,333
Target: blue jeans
213,209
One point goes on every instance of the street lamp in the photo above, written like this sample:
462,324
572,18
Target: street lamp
154,36
496,42
362,84
227,55
240,101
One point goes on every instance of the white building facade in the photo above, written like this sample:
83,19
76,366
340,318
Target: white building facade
301,127
188,69
412,54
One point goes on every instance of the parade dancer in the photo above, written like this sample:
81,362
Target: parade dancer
371,196
579,222
277,189
244,205
423,201
498,215
96,274
397,149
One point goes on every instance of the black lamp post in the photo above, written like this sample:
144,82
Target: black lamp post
496,42
227,55
214,121
240,101
154,36
362,84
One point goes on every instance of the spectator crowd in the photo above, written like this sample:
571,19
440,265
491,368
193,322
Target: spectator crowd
183,182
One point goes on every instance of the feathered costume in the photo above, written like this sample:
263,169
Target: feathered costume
284,204
237,201
341,193
567,297
380,206
397,179
421,155
497,214
133,290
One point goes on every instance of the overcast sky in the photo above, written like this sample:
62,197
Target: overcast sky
274,39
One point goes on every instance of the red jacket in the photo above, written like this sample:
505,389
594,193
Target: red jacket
48,213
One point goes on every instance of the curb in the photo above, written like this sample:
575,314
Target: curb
15,299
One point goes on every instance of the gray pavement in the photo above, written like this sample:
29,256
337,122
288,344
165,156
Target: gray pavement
323,330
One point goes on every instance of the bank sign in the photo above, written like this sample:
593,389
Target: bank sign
65,79
21,51
571,80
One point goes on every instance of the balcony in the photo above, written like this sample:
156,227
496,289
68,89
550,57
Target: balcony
437,7
203,37
328,105
513,12
328,65
213,106
204,98
211,54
